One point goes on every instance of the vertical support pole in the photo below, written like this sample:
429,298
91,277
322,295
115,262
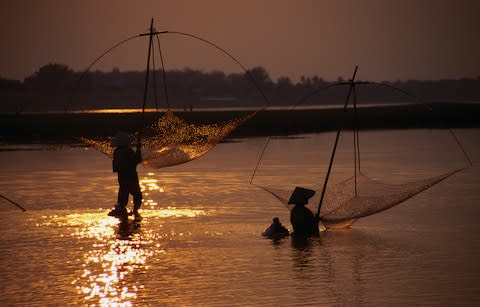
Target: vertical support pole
356,140
148,68
154,77
350,89
146,77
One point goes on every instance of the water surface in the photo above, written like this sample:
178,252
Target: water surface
200,243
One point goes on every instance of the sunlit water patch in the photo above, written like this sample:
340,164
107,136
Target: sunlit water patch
120,251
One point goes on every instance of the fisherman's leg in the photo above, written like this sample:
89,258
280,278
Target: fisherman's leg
122,200
137,198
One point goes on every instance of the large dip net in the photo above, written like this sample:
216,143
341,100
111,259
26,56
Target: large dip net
356,197
172,141
340,203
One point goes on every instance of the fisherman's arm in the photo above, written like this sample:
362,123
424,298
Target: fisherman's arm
115,161
138,152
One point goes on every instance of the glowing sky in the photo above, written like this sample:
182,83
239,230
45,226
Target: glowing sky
388,39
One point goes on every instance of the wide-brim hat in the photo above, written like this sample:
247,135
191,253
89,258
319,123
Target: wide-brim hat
300,196
122,139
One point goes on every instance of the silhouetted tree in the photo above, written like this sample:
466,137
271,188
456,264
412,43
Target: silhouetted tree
305,81
284,83
260,75
51,76
51,85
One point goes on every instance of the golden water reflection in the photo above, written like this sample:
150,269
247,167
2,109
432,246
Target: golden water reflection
120,252
150,185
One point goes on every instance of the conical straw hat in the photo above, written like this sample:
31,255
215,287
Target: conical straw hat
300,196
122,139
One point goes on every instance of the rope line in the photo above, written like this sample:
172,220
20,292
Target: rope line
260,158
247,73
87,70
164,73
156,34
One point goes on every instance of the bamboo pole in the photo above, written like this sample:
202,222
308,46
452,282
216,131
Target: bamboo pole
12,202
350,89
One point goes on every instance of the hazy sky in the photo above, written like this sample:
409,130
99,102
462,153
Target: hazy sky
388,39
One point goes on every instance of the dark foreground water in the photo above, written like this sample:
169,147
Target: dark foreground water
199,243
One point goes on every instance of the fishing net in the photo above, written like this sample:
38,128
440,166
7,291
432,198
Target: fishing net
358,196
354,198
172,141
395,166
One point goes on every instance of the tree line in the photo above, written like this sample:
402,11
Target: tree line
58,87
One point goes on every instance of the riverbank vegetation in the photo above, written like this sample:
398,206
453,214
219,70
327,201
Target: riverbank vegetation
57,87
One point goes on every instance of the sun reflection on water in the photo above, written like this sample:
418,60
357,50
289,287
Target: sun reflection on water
150,185
120,252
109,282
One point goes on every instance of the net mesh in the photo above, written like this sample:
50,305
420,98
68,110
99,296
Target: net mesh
341,203
172,141
345,201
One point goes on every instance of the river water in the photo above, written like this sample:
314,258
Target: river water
199,243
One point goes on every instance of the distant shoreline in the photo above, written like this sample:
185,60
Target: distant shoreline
59,127
208,109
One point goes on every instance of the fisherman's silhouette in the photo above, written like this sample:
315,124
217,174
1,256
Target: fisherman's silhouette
124,163
303,222
276,230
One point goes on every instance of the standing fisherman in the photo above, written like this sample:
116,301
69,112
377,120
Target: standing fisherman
124,163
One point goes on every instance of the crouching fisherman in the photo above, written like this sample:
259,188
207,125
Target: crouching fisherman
124,163
276,230
302,219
